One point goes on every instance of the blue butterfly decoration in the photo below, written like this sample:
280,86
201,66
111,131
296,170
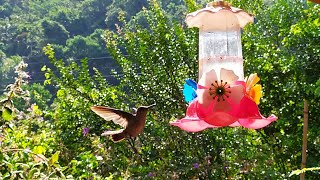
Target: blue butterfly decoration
189,90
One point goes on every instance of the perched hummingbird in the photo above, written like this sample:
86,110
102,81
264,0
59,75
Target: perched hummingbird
133,124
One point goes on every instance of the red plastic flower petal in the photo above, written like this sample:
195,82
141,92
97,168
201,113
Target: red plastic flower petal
250,117
215,118
191,122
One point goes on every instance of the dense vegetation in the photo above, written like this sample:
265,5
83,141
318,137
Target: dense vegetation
47,134
74,29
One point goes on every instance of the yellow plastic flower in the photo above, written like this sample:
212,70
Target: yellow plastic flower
253,89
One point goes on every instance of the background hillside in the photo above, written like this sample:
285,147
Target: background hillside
74,28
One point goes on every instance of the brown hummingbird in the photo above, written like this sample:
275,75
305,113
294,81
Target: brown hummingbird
133,124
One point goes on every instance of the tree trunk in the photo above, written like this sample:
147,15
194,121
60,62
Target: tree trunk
305,138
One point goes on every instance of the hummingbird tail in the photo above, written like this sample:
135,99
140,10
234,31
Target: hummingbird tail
107,133
118,137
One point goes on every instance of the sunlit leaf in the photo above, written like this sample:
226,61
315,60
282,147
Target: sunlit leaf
60,93
39,150
54,158
44,68
7,114
35,108
47,75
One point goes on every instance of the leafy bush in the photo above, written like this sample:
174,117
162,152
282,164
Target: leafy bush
25,138
30,147
37,94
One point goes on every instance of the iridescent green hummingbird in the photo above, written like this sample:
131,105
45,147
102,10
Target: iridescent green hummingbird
133,124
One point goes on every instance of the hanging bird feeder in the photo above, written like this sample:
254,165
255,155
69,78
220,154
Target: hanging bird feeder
219,36
222,97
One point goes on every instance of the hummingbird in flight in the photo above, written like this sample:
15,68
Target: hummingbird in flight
132,123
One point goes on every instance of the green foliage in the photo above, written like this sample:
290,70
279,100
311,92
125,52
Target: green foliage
155,54
76,93
7,65
317,91
5,10
24,138
286,61
30,145
130,7
302,43
12,92
27,26
29,150
52,30
6,113
90,46
20,150
84,165
37,94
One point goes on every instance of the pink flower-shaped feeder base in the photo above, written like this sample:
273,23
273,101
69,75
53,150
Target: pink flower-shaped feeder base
248,116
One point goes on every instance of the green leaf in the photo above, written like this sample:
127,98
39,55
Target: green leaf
1,157
60,93
54,158
47,75
316,22
32,172
39,150
317,90
47,82
7,114
44,68
35,108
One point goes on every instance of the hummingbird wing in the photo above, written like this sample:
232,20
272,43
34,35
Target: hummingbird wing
116,115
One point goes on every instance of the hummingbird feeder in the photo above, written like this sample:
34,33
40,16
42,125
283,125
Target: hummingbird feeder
222,97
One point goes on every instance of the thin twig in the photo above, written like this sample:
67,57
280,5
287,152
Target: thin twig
28,151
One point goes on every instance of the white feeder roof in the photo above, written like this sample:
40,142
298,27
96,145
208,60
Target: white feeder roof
219,16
